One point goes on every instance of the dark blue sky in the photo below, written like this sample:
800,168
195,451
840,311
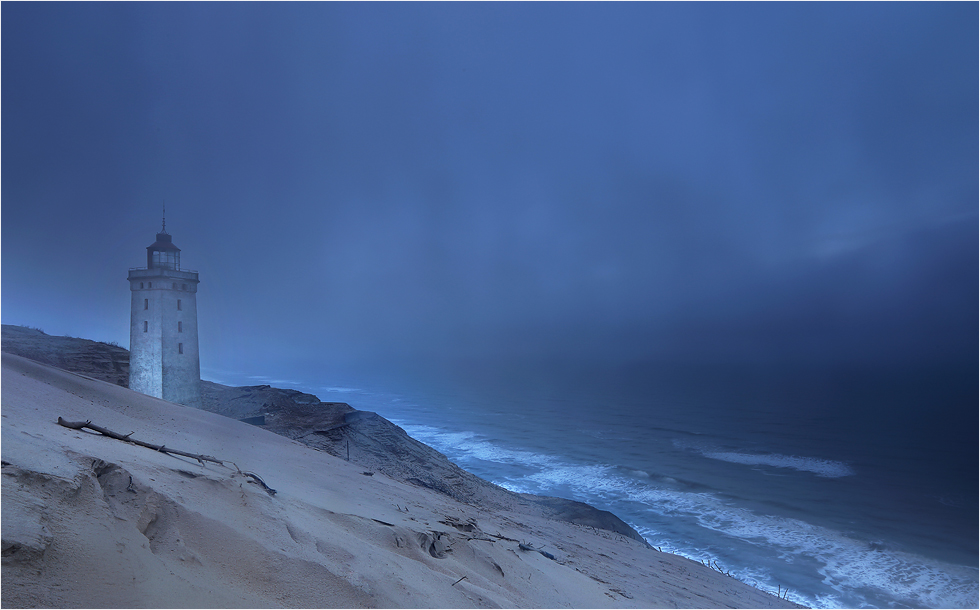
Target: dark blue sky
363,186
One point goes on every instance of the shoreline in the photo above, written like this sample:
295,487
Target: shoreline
390,534
825,561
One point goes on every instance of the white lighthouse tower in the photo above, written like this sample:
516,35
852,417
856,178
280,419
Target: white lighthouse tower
163,354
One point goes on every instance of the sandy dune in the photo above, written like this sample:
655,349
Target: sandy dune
89,521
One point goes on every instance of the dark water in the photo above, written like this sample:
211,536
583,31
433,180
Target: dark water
851,488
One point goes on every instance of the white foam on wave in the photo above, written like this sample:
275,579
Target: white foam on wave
273,381
820,467
341,390
848,565
758,576
466,444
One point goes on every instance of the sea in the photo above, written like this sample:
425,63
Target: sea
834,487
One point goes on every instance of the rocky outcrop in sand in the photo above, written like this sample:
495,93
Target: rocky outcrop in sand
95,359
378,445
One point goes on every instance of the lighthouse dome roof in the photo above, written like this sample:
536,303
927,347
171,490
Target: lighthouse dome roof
164,242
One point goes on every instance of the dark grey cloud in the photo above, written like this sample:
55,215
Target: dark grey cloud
362,185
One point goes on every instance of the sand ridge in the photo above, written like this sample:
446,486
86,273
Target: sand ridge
93,522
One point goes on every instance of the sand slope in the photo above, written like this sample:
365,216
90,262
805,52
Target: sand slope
362,437
88,521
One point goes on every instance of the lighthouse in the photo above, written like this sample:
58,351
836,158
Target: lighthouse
163,353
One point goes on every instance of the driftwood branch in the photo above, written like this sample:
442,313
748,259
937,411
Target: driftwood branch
78,425
255,478
528,547
499,537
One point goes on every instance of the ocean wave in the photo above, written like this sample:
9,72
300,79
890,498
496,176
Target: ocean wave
848,565
820,467
843,566
273,381
468,445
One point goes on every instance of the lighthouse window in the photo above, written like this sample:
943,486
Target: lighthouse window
174,286
165,260
149,285
145,325
178,305
141,285
180,348
180,327
146,303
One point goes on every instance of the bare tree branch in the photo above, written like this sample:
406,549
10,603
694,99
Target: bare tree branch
126,438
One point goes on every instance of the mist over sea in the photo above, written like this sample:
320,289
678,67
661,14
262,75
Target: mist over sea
852,488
